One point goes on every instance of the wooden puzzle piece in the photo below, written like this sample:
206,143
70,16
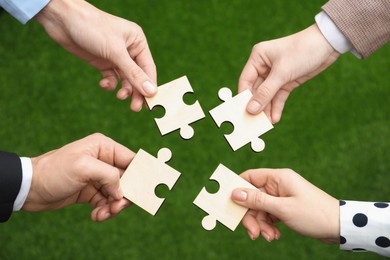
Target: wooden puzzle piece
220,206
144,174
247,127
178,115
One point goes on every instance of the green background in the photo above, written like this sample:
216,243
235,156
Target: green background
334,130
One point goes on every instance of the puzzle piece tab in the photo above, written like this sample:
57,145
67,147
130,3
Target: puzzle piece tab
247,127
178,115
144,174
219,206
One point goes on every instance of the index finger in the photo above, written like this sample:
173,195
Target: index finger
259,177
107,150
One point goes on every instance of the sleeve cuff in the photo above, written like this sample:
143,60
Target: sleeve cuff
23,10
365,226
26,183
333,35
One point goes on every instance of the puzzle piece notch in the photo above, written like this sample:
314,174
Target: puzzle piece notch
219,205
144,174
178,115
247,127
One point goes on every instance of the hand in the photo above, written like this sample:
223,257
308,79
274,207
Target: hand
276,67
115,46
85,171
285,196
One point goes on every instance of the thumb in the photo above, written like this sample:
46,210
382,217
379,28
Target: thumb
106,175
264,93
255,199
136,76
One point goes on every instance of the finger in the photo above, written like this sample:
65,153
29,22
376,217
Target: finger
109,151
256,199
248,76
118,205
278,103
267,110
135,75
264,93
249,222
125,91
277,232
137,101
145,60
266,226
101,213
259,177
93,170
109,81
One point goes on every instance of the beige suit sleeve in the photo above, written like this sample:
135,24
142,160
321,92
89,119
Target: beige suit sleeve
366,23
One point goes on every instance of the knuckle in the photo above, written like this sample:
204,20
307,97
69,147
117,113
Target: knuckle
96,137
259,47
79,164
258,199
137,74
136,27
262,93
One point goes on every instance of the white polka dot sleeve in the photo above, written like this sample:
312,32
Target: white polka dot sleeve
365,226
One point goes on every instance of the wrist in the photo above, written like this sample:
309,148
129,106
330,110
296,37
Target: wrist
321,41
51,12
335,222
30,203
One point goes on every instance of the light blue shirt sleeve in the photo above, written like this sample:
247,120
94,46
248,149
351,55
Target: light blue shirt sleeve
23,10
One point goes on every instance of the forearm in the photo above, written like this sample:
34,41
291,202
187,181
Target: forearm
10,182
365,23
365,226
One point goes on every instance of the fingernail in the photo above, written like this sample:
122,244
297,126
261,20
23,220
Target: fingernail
149,87
277,236
107,215
240,195
252,237
266,236
254,107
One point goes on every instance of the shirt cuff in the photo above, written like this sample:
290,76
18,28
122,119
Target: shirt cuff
23,10
332,34
365,226
26,183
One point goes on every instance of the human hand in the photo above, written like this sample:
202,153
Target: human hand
278,66
115,46
285,196
85,171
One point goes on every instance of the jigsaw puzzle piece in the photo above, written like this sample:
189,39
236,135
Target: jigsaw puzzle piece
144,174
178,115
247,127
219,205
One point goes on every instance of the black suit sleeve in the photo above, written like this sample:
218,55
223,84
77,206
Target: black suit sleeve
10,182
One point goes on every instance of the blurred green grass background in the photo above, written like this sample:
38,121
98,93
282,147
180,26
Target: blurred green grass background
334,130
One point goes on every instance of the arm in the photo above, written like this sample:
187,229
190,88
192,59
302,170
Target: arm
10,182
285,196
85,171
365,23
276,67
23,10
365,226
115,46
